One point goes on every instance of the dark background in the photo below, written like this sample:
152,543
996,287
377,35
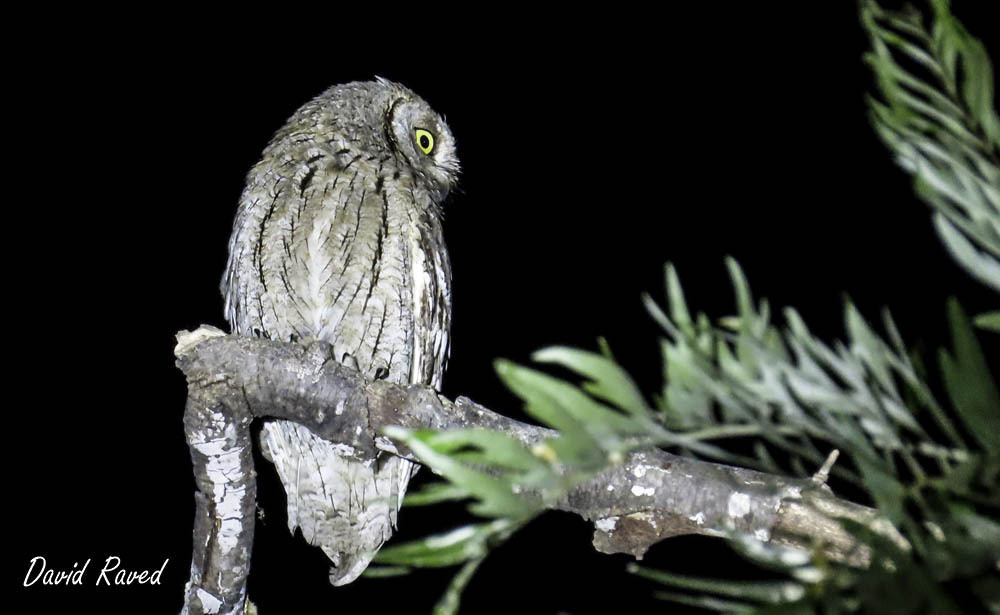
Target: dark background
593,153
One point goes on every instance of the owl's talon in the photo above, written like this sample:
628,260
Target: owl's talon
350,361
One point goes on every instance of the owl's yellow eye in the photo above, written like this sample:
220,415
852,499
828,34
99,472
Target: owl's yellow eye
425,140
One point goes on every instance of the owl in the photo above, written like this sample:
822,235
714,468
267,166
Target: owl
338,238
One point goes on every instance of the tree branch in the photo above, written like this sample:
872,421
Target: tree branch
650,496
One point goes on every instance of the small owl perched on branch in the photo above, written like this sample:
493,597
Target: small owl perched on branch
338,238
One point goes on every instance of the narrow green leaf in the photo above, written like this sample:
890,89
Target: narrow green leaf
744,300
969,382
383,572
608,380
980,265
451,599
440,550
708,603
567,408
659,316
435,493
760,591
688,405
678,306
887,492
866,345
989,320
491,448
449,548
496,497
531,386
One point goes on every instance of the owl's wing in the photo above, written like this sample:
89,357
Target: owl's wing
431,276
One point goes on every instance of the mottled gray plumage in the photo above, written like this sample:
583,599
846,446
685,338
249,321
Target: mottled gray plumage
338,237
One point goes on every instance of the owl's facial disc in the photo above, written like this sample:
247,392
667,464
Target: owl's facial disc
424,139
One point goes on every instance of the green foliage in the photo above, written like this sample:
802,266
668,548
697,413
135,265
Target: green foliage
507,479
990,320
970,386
866,398
789,388
468,546
454,547
938,118
511,482
769,592
930,465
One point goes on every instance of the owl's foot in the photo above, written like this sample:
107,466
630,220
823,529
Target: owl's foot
378,372
349,360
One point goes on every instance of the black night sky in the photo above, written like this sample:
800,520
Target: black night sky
593,153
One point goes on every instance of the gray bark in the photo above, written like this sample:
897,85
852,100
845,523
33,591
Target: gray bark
650,496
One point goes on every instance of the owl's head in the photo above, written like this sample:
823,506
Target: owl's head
414,131
378,118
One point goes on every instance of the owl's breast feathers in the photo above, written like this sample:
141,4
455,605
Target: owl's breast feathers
342,251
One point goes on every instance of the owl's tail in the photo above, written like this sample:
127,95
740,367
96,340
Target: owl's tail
345,506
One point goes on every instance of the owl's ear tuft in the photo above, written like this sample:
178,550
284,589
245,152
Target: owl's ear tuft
389,83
